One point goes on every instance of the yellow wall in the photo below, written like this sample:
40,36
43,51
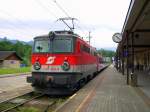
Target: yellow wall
11,64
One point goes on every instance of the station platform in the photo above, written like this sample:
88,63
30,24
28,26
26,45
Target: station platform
12,86
107,92
13,82
144,81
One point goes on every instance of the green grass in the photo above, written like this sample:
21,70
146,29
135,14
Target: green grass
4,106
13,70
28,109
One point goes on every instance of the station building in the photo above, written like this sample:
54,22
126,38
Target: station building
133,52
9,59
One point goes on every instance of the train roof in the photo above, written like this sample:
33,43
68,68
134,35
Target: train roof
66,33
60,33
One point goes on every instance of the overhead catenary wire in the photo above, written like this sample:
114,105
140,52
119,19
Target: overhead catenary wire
25,26
41,4
65,12
25,29
45,8
60,7
11,26
10,15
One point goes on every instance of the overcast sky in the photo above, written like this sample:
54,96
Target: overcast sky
25,19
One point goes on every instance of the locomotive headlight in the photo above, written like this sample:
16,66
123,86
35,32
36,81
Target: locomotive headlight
65,66
37,66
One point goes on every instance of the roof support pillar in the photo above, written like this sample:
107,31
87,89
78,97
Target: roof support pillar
127,50
120,67
117,60
122,56
133,74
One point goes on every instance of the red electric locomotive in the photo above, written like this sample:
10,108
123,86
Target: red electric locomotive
61,61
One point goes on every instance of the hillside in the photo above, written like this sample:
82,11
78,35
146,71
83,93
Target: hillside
15,41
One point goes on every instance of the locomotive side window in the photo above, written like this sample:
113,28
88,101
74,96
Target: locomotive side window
85,48
92,52
41,46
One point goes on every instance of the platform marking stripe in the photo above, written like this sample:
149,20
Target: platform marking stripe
66,102
89,96
71,97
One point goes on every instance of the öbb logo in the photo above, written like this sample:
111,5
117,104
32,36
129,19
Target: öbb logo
50,60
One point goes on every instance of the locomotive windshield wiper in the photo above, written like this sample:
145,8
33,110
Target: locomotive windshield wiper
39,48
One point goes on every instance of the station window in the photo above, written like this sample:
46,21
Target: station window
12,62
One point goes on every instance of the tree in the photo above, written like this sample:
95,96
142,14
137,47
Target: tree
5,45
106,53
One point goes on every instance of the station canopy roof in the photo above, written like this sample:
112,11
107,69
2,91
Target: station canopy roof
137,21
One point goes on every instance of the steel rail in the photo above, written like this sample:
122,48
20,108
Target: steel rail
49,105
5,101
16,106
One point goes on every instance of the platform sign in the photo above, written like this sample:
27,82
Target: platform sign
125,53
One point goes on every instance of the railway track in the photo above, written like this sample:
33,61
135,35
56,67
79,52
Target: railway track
20,104
32,100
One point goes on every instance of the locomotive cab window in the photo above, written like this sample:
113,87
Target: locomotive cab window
60,44
41,46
